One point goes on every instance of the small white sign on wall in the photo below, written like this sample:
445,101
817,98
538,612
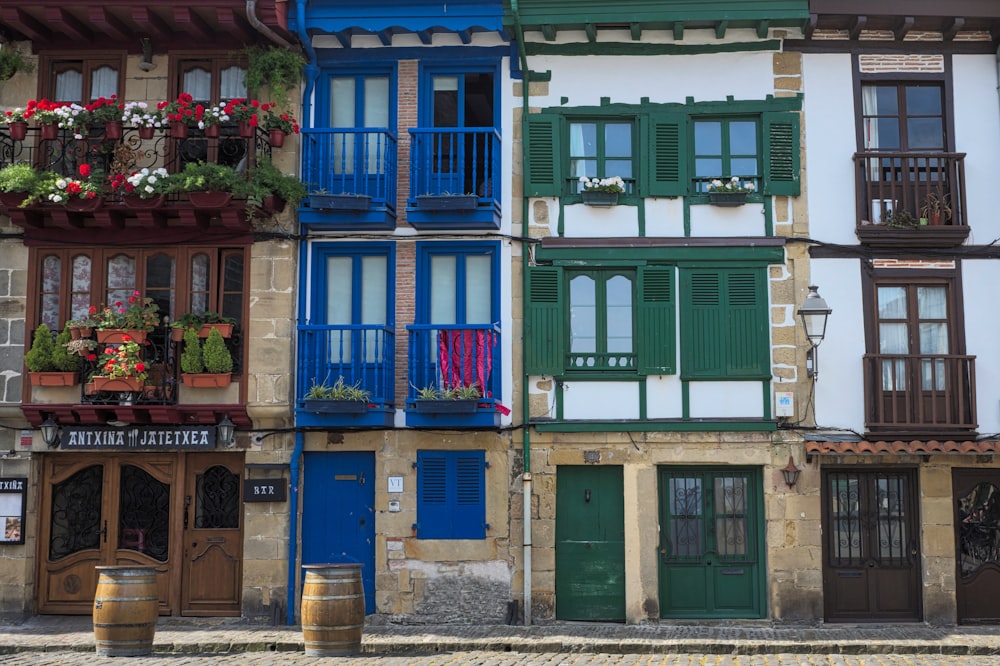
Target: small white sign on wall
395,484
784,403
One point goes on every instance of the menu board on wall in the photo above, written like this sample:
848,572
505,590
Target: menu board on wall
12,501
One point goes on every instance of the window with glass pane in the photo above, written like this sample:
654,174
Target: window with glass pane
355,311
725,148
601,311
903,117
686,517
914,317
82,81
731,516
359,102
602,149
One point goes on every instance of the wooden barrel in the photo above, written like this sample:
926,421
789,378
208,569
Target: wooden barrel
126,607
333,609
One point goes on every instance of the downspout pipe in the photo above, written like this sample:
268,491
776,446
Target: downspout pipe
525,403
263,29
311,72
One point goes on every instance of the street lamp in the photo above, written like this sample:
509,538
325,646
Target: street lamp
50,432
225,431
814,312
791,472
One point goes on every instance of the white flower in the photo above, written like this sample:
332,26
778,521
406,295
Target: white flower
61,183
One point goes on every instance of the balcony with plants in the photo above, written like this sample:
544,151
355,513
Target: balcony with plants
345,376
911,199
120,363
118,166
454,376
455,178
351,178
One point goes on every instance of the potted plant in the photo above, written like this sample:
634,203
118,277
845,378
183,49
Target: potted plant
210,118
244,112
13,61
76,194
278,125
320,199
900,219
936,208
81,347
43,368
134,319
206,366
279,69
146,188
146,119
16,121
267,182
121,367
83,326
601,192
207,184
108,112
340,398
732,192
47,113
447,201
179,114
17,184
453,400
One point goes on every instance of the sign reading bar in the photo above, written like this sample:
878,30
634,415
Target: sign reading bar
265,490
139,437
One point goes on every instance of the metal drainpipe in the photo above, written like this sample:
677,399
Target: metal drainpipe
263,29
311,71
525,408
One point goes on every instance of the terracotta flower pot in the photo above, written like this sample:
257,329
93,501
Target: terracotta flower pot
245,128
119,384
276,137
18,130
212,131
113,130
178,130
147,133
50,131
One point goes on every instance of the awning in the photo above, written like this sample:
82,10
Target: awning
901,448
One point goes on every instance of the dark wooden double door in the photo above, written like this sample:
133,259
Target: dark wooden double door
871,537
179,512
977,533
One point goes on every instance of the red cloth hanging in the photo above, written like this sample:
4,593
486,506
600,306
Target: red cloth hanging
466,358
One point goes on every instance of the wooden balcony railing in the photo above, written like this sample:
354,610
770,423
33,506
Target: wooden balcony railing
932,394
893,189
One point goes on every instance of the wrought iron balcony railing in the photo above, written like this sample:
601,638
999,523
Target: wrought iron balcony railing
920,393
364,356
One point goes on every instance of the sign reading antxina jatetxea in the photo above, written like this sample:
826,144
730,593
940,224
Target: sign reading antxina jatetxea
161,438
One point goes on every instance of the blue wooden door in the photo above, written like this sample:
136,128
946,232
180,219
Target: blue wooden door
338,513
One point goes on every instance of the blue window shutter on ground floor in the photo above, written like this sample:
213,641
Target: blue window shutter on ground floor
451,495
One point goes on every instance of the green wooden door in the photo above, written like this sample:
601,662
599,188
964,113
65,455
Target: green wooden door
590,543
711,543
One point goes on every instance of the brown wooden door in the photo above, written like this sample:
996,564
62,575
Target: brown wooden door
104,509
213,535
871,558
977,534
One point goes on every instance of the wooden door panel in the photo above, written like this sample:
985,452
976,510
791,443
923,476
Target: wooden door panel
213,535
590,543
977,537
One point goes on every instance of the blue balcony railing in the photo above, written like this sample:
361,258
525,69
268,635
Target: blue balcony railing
461,160
351,161
452,357
362,355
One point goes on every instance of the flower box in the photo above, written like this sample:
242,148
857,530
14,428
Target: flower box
138,203
446,406
116,384
116,336
225,330
447,201
84,205
601,199
210,199
324,406
727,199
340,201
12,199
206,380
53,378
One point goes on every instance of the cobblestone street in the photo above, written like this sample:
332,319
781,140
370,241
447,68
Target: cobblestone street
505,659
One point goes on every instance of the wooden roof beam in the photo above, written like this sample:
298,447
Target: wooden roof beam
66,24
678,31
549,32
150,23
901,30
591,30
425,36
720,29
636,30
385,36
109,25
190,23
857,26
762,28
344,37
810,26
948,34
25,24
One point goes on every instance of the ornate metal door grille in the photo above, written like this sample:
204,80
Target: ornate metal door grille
143,513
868,518
76,513
218,502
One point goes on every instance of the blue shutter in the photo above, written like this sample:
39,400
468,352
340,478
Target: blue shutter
451,495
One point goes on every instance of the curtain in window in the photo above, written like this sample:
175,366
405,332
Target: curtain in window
932,303
80,299
69,85
232,83
103,82
869,107
198,83
51,277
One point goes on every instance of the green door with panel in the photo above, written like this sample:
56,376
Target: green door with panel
711,543
590,543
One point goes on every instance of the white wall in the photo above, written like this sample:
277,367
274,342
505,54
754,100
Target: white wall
977,133
979,281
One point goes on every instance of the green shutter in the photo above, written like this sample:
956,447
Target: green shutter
655,337
544,319
667,147
746,344
543,156
724,324
701,324
782,169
